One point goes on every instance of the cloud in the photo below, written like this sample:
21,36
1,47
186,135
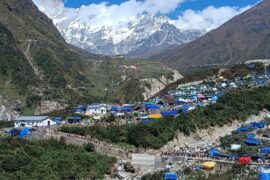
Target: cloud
207,19
104,14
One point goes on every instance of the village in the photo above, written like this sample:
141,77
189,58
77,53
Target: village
210,158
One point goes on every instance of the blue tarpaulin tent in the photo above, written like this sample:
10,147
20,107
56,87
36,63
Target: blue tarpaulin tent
169,113
264,173
252,142
214,98
258,124
152,107
170,176
212,152
57,119
178,102
243,129
127,109
185,107
114,109
250,136
264,176
20,132
265,150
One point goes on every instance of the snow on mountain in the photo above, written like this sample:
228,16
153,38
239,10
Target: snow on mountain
143,32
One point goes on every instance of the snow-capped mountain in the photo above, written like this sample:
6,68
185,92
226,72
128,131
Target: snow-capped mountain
136,37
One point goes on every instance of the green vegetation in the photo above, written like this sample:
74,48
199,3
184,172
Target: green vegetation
235,105
6,124
65,73
50,159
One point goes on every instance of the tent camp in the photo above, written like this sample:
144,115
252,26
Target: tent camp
250,136
154,116
212,152
265,150
169,113
264,174
244,160
252,142
209,166
152,107
170,176
258,125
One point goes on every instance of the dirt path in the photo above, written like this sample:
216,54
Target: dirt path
26,53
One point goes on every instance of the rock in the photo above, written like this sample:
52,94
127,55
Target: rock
49,106
205,138
9,110
158,84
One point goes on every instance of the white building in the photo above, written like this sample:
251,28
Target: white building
33,121
96,109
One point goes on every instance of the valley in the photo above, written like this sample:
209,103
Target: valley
134,90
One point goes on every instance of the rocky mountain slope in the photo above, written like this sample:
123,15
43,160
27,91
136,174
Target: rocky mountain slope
244,37
140,37
37,65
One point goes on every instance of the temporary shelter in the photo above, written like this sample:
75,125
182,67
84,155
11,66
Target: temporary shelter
208,165
170,176
152,107
258,124
265,150
155,116
264,174
243,129
235,147
212,152
185,107
252,142
57,120
169,113
250,136
244,160
20,131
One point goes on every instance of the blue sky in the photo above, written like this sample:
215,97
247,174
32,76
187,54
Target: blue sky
191,4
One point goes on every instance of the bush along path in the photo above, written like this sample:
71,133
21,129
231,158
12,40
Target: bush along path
235,105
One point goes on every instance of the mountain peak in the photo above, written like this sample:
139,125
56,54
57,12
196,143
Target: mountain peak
112,39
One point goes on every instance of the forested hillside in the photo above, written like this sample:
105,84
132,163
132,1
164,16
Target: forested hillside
22,159
37,64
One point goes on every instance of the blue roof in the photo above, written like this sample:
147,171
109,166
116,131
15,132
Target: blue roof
264,176
152,107
212,152
170,176
252,142
250,136
258,124
265,150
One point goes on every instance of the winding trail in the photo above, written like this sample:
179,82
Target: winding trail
124,153
26,53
